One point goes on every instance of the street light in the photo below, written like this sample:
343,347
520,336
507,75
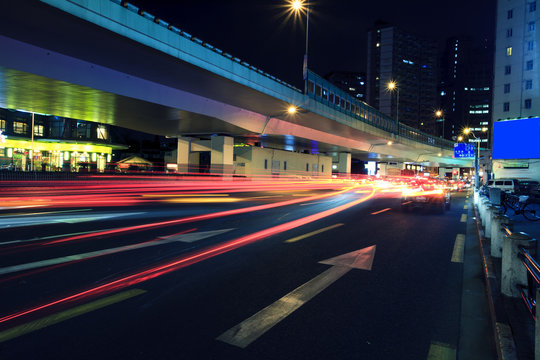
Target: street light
298,7
468,131
392,86
440,118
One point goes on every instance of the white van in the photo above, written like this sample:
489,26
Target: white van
507,185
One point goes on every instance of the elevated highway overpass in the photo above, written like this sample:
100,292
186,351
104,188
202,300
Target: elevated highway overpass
108,61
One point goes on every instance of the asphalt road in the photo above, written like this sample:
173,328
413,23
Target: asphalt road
150,281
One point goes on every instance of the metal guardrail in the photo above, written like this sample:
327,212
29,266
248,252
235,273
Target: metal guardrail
202,43
323,91
528,293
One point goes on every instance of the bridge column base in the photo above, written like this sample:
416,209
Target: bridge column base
221,156
344,164
182,155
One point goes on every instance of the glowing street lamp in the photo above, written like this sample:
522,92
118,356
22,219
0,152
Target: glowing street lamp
468,131
298,7
392,86
440,116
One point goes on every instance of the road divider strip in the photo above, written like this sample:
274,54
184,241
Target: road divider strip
459,249
67,314
301,237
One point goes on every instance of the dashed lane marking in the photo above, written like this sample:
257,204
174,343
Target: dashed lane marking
440,351
67,314
380,211
465,207
463,218
459,249
301,237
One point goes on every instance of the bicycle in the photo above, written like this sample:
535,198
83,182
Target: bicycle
523,205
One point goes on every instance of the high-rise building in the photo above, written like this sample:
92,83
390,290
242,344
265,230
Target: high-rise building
409,61
352,82
466,87
517,60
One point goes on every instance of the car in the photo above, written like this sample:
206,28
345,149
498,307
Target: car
426,195
510,186
527,186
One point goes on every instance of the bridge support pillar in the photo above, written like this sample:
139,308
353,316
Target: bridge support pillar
182,155
344,165
221,157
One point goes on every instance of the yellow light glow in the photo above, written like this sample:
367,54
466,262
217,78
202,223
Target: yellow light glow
484,129
438,113
460,138
466,130
389,143
392,85
297,5
54,146
292,109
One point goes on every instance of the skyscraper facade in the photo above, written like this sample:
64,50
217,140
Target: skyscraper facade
466,87
411,63
517,60
352,82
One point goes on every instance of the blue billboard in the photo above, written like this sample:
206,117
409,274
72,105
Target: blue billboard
464,151
516,139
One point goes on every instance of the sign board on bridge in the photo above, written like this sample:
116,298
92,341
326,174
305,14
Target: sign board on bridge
464,151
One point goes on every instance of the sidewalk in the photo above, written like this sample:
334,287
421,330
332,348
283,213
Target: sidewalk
511,321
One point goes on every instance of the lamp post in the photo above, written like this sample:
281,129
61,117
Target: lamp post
440,118
468,131
298,7
392,86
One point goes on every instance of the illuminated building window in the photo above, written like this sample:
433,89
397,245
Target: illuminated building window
2,125
506,106
83,130
38,130
528,84
20,127
528,103
509,51
101,132
506,88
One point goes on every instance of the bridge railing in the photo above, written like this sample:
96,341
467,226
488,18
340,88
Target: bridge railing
196,40
318,88
323,91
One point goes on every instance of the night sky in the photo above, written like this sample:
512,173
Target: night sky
259,33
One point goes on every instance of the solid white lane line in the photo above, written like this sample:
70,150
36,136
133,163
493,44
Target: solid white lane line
189,238
252,328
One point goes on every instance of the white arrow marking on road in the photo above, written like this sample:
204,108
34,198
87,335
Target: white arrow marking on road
191,237
255,326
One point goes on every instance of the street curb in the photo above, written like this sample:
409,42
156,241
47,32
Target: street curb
504,339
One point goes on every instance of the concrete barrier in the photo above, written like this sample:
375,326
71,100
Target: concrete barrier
497,232
489,218
513,271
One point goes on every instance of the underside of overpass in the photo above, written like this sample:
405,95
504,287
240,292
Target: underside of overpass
55,63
